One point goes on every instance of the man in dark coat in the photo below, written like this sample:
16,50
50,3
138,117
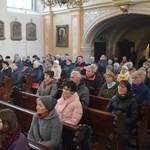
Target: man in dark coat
16,76
92,82
82,90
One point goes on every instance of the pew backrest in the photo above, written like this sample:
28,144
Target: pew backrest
105,124
5,91
27,85
72,135
99,103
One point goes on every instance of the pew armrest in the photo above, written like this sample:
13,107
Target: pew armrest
37,146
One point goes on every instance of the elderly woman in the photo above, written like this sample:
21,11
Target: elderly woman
124,74
141,91
57,69
37,72
11,137
109,88
68,106
49,86
125,101
46,127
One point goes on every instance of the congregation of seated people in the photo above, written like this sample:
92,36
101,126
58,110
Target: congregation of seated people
79,80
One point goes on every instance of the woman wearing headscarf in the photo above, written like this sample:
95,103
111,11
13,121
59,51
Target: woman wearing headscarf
46,127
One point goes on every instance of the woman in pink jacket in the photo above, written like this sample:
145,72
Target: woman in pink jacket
68,106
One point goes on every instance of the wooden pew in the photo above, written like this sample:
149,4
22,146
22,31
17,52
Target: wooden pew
37,146
96,119
5,91
73,136
107,128
99,103
140,132
27,85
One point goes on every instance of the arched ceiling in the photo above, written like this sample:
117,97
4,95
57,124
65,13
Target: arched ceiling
121,25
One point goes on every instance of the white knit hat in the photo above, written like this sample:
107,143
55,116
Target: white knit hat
125,66
57,62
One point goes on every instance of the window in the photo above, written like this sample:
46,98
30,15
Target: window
20,4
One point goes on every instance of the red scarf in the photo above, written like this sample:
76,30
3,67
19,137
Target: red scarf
10,138
41,116
48,82
92,78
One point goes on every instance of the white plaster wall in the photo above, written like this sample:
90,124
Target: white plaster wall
22,47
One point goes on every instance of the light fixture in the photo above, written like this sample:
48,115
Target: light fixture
68,3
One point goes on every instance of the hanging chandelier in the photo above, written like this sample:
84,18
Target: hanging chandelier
68,3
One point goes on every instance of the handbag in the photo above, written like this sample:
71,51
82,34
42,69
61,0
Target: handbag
35,85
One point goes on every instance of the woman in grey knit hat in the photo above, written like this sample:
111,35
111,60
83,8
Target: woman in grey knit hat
46,127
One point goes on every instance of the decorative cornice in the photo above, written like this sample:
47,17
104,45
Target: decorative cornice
90,16
143,5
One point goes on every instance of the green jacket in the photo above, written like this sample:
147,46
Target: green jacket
108,93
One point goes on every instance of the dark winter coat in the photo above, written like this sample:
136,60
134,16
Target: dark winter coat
142,93
17,78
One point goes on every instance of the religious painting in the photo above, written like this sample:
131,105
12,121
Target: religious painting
16,30
2,34
62,35
31,31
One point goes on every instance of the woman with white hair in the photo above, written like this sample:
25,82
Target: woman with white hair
57,69
141,91
131,69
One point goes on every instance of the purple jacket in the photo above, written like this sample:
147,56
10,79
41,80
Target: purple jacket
20,144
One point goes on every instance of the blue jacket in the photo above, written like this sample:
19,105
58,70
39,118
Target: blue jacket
38,74
142,93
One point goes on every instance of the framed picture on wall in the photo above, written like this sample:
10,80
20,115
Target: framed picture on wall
31,31
16,30
2,34
62,35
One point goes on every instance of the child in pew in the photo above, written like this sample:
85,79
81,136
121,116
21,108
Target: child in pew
69,106
11,137
125,101
46,127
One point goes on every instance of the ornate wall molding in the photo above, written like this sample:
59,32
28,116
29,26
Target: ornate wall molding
90,16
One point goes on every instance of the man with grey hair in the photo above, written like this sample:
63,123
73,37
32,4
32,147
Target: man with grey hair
82,90
116,68
92,82
17,60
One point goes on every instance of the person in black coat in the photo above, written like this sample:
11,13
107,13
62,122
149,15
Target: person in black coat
125,101
6,71
16,76
1,60
91,80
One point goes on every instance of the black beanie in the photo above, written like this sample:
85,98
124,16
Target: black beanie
48,102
